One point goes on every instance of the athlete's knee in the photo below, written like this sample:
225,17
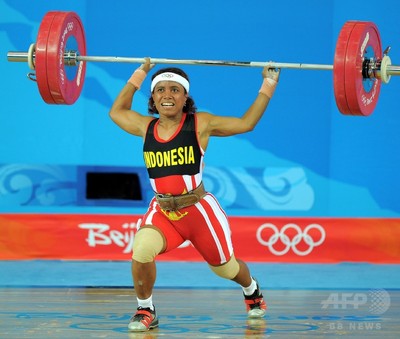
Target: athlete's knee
229,270
147,244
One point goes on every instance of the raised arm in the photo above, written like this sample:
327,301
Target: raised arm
121,112
213,125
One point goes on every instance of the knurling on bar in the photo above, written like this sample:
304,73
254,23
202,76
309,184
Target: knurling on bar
206,62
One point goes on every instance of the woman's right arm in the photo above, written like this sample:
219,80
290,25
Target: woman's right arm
121,112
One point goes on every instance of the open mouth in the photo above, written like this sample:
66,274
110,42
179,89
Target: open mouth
167,104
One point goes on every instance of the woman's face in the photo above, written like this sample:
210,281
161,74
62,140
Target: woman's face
169,97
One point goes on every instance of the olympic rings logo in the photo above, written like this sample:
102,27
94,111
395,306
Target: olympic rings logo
291,242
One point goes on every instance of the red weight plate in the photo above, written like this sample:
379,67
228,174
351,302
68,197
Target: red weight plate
65,82
339,67
41,57
362,94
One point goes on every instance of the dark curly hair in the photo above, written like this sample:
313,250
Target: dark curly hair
190,106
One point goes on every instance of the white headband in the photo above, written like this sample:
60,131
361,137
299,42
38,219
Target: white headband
169,76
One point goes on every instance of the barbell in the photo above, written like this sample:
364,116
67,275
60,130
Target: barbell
59,59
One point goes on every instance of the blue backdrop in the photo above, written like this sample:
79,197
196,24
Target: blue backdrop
304,157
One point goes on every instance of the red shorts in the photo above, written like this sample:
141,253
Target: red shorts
204,224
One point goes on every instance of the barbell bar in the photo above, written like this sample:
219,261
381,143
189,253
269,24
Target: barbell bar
59,59
71,58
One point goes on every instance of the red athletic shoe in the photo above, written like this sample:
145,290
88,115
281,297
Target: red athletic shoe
255,304
143,320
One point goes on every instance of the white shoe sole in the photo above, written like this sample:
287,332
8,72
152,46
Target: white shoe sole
256,313
139,327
